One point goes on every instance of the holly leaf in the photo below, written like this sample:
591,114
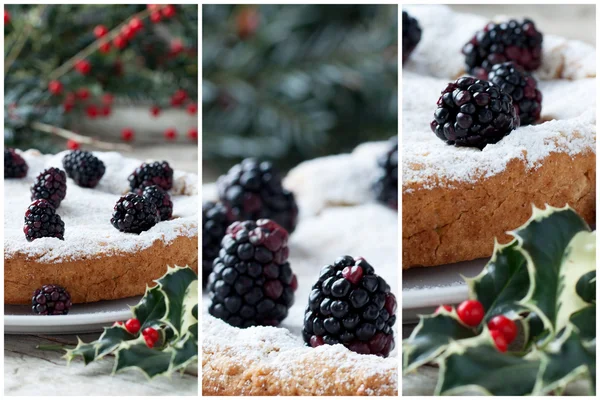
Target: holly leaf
503,283
136,355
185,351
110,339
151,308
180,289
586,287
431,338
584,321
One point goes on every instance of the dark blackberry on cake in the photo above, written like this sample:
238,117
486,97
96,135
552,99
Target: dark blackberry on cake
158,173
252,283
352,306
51,185
252,190
160,198
522,87
14,165
41,221
214,225
475,113
134,214
515,41
386,185
84,168
411,35
51,300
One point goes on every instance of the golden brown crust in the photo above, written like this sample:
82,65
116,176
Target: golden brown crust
102,278
451,224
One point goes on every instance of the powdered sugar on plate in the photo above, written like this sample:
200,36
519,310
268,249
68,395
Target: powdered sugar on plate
87,212
568,106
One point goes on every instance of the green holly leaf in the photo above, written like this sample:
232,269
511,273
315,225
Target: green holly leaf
180,288
431,338
110,339
151,308
185,351
503,283
586,287
584,321
138,356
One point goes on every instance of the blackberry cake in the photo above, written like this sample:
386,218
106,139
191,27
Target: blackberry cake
76,247
339,215
457,198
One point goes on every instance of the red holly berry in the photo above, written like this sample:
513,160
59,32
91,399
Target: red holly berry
72,145
6,17
68,106
127,134
105,111
443,307
107,98
178,97
499,340
168,11
133,325
100,31
170,134
127,33
505,326
176,46
154,110
55,87
149,342
120,42
155,17
152,334
104,47
92,111
82,93
136,24
470,312
193,133
247,22
192,108
83,66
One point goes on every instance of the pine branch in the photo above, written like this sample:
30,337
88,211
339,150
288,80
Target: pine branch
20,42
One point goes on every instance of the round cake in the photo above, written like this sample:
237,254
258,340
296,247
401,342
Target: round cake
456,200
338,216
95,261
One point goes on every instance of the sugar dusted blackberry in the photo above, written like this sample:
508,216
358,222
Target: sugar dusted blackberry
475,113
522,87
214,225
157,173
352,306
51,300
386,185
411,35
84,168
252,283
252,190
160,198
51,185
14,165
41,221
134,214
497,43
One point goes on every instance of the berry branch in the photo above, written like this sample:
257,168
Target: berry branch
81,139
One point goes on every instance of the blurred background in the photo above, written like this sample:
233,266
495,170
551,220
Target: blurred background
293,82
103,77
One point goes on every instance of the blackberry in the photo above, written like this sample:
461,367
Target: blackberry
14,165
522,87
386,185
51,300
498,43
252,282
352,306
411,35
41,221
84,168
214,225
157,173
134,214
160,198
252,190
473,112
51,185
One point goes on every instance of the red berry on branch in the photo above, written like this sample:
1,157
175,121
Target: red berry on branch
154,110
168,11
83,66
155,17
152,334
72,144
444,307
192,108
499,340
82,93
127,32
68,106
55,87
170,134
127,134
105,111
120,42
505,326
133,325
136,24
6,17
92,111
176,46
193,133
100,31
247,22
107,98
470,312
178,97
104,47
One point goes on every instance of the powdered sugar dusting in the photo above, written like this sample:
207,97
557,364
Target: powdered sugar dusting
87,212
568,106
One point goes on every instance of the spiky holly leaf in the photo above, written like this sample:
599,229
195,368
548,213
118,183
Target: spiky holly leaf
151,308
431,338
136,355
585,322
110,339
180,289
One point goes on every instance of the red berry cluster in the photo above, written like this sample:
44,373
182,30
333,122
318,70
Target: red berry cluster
132,325
470,312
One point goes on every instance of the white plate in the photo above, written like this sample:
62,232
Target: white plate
424,289
83,318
